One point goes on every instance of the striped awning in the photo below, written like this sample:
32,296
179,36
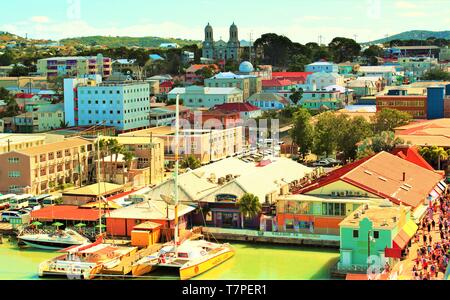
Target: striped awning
405,235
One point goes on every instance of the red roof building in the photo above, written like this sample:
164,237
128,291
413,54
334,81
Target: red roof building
296,77
166,87
65,213
24,96
384,176
237,107
277,83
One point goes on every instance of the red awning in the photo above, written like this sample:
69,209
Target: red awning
393,252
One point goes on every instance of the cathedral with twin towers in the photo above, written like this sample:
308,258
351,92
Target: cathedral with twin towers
222,50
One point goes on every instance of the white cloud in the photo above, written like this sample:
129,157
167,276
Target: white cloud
412,14
405,5
40,19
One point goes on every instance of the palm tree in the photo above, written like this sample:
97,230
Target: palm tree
434,155
116,151
191,162
128,157
112,146
438,154
249,207
103,145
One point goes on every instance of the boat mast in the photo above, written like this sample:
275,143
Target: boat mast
177,163
99,190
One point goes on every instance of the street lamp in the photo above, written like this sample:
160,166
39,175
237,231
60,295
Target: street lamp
370,239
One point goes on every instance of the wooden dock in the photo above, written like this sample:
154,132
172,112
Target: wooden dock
125,266
6,229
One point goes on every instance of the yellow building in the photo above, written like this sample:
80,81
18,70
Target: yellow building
41,169
74,66
206,145
17,142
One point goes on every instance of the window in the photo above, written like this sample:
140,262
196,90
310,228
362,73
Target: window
289,224
13,160
376,234
355,233
14,174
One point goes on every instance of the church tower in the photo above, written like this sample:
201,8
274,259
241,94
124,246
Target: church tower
233,47
208,44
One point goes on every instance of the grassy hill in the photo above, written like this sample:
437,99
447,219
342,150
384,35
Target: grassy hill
414,35
115,42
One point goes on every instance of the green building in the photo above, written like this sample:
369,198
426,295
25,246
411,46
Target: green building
373,236
45,118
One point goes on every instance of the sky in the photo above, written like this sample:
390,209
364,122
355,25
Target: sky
301,20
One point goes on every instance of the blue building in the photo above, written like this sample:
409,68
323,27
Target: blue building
322,66
435,101
268,101
124,105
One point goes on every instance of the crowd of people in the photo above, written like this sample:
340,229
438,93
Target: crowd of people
433,240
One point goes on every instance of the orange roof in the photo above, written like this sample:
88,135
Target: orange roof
66,213
382,175
66,144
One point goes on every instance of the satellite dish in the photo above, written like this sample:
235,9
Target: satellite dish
168,199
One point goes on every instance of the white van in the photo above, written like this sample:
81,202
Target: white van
20,201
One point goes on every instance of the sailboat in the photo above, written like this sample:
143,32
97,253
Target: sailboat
88,260
191,257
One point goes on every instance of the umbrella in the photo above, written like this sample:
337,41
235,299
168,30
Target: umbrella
57,224
79,225
36,223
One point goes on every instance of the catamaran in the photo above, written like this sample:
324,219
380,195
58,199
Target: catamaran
85,261
52,241
191,257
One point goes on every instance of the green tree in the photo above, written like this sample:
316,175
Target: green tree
344,49
276,49
356,130
372,53
389,119
437,74
19,71
384,141
190,162
6,59
327,132
298,62
302,132
249,206
296,96
206,72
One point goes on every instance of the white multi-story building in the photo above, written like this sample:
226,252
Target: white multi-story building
198,96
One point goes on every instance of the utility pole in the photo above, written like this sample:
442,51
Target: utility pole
99,189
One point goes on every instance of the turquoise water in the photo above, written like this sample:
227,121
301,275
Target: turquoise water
251,262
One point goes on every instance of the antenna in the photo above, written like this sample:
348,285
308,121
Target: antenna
251,47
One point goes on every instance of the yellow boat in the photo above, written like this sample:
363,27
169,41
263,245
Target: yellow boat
192,258
202,265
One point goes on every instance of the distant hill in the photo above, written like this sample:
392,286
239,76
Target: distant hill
115,42
414,35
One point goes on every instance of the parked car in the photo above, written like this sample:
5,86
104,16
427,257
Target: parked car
321,163
8,215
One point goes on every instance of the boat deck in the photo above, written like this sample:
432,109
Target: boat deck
6,229
125,266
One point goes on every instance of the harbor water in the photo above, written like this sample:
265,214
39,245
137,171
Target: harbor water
251,262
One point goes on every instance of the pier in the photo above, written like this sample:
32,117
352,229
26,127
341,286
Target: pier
285,238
